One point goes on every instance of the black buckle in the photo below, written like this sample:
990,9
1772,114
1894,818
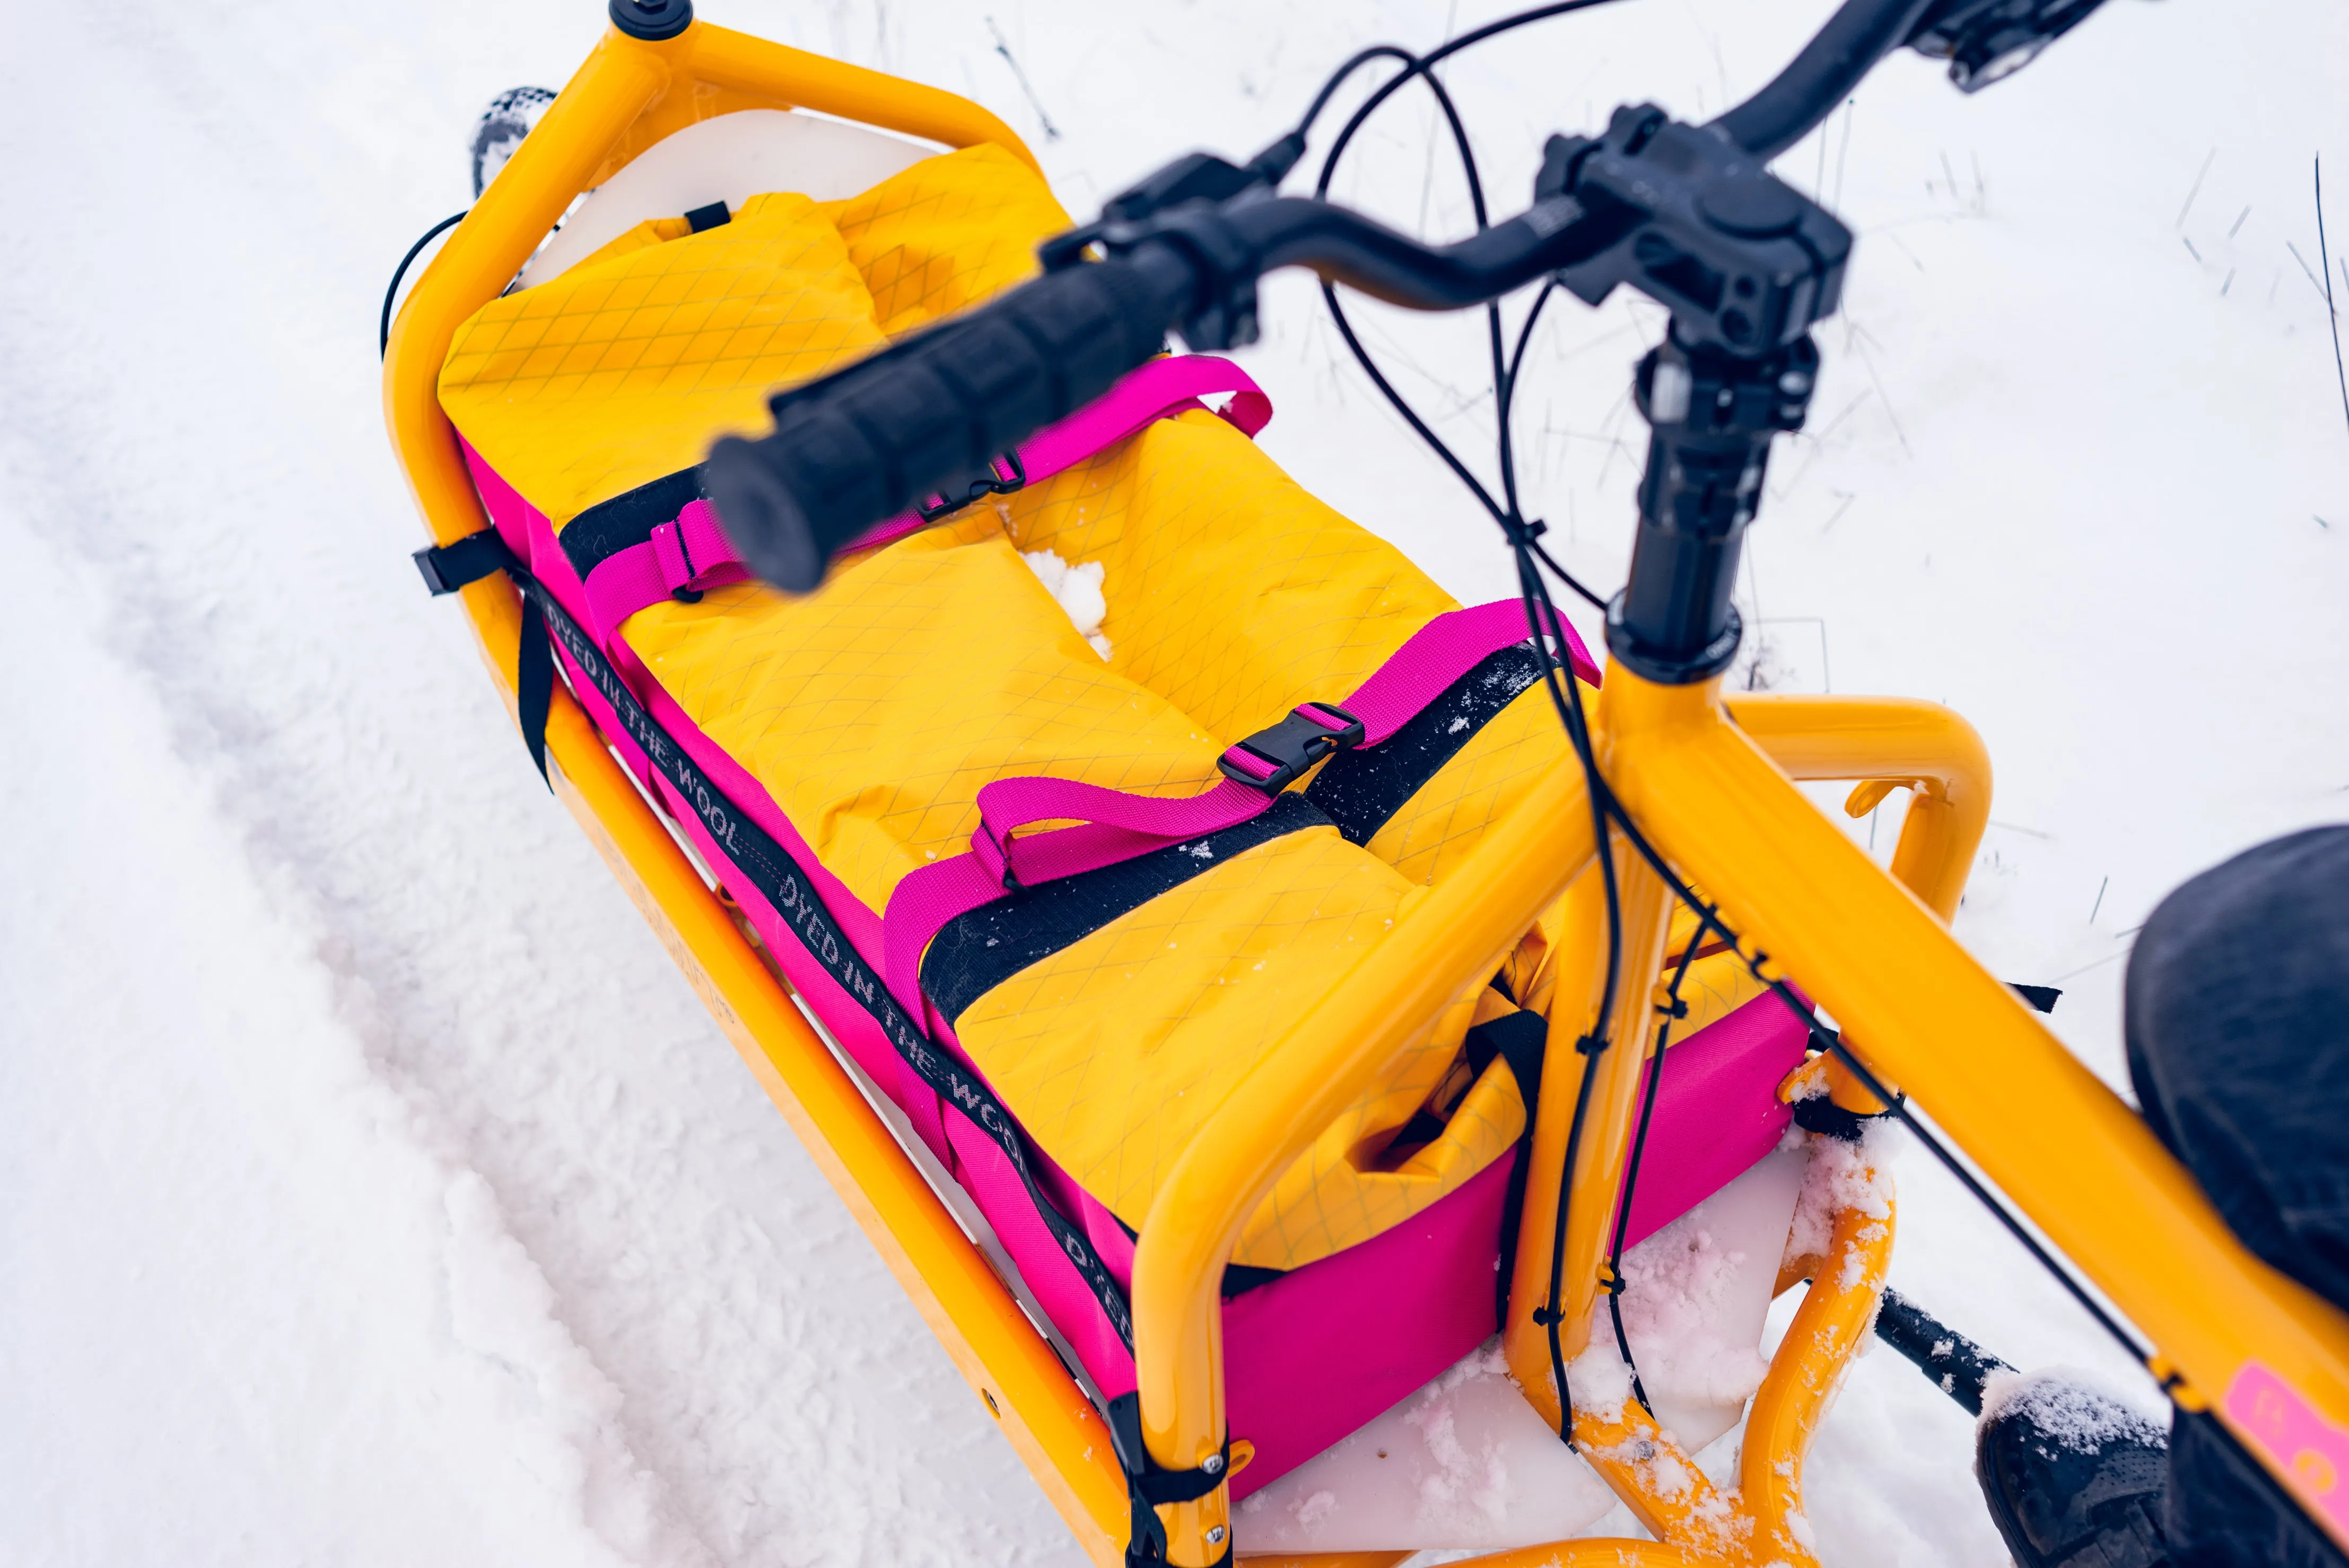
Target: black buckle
1292,746
993,484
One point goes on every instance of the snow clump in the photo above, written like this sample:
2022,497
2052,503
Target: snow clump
1079,590
2068,1408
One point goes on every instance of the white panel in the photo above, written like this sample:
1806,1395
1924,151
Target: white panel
1466,1464
729,159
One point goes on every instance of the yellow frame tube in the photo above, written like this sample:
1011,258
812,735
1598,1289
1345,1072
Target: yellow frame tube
1891,742
1337,1049
1351,1036
622,100
1827,1334
2081,1164
1918,744
1581,960
1895,740
1596,1182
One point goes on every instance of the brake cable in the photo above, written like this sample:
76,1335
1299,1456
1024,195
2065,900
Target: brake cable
1566,698
1541,618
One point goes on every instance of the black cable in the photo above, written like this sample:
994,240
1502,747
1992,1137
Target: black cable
1541,614
1411,416
1504,368
1507,396
1423,63
1542,617
383,347
1899,1105
1414,66
1591,596
1672,1010
1337,79
1508,452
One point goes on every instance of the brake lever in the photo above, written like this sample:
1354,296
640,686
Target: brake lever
1987,41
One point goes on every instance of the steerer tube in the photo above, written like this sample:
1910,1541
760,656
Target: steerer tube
1711,415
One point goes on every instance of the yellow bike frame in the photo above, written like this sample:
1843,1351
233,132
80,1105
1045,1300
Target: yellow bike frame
1708,780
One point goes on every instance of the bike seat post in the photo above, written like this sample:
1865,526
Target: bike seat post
1711,415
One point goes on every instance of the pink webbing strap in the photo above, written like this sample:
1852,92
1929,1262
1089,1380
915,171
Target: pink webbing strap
1113,825
692,552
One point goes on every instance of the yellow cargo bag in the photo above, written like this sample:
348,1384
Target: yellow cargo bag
868,716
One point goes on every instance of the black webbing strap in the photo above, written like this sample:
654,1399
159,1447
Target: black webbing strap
2042,998
1149,1487
627,519
1517,1038
979,950
448,567
1521,1039
1361,788
535,685
780,880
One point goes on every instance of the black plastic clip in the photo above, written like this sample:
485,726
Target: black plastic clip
1298,742
995,483
448,567
684,593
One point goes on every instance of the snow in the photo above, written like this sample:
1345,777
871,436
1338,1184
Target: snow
1078,590
2067,1407
1696,1294
377,1190
1854,1176
1463,1463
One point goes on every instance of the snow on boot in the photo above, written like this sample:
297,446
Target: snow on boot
2074,1479
502,126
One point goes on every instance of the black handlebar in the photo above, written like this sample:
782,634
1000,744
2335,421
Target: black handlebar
1687,215
1831,65
928,416
864,443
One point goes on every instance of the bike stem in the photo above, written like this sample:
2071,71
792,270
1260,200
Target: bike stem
1712,416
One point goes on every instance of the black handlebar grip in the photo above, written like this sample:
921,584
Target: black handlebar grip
927,416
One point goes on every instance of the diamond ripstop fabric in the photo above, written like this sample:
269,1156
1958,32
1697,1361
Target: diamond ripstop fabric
876,712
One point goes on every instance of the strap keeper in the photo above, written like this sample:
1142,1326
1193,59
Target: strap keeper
676,561
994,854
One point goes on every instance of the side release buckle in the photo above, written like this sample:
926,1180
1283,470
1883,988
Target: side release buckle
1005,476
1272,759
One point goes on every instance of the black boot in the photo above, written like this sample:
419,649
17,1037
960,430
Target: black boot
2074,1480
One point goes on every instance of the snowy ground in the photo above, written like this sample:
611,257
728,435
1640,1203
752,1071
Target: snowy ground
377,1192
